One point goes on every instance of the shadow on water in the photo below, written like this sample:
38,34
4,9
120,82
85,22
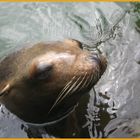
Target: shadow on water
98,115
112,108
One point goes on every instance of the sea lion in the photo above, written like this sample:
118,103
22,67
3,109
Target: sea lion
44,82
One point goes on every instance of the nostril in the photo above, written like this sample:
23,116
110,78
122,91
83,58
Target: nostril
95,58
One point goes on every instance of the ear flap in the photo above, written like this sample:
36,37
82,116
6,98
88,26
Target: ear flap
40,70
4,89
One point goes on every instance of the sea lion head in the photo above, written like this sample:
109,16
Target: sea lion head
44,82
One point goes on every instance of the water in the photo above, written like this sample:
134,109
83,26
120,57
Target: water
115,112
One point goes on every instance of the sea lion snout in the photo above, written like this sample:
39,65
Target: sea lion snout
95,58
100,60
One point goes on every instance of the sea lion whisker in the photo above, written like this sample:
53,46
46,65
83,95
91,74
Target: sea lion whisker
87,81
80,83
76,88
62,93
91,79
72,85
70,89
66,87
4,89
